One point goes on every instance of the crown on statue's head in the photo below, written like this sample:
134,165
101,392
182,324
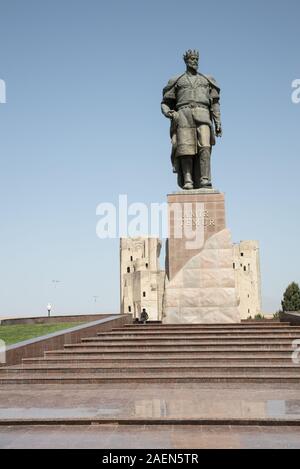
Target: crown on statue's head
190,53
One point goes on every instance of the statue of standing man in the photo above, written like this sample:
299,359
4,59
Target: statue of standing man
192,102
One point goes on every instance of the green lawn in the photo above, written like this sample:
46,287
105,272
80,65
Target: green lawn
14,334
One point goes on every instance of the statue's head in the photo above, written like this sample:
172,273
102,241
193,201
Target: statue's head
191,58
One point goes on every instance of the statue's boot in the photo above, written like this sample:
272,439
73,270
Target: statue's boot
205,168
187,171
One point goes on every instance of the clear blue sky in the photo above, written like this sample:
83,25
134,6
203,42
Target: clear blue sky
82,124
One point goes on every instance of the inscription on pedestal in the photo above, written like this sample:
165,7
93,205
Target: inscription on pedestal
198,219
193,218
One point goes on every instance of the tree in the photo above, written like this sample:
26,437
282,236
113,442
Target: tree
291,298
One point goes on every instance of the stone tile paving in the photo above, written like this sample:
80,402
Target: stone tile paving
116,437
151,401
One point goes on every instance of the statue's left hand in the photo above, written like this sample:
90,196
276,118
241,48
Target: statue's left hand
219,131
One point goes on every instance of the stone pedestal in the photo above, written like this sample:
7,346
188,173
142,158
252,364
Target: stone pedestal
200,285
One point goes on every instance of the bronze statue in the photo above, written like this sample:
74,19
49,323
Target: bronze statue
192,102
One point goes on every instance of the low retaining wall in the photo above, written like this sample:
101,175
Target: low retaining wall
53,319
55,341
293,318
260,321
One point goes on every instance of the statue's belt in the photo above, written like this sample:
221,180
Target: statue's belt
192,106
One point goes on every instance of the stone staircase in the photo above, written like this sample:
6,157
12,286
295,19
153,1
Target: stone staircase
251,352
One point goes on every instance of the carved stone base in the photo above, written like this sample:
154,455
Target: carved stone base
200,285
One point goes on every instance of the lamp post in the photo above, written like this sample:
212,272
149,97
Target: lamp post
95,301
55,283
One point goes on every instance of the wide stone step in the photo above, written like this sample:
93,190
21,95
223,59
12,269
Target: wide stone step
110,378
249,369
187,338
259,324
184,343
158,354
217,333
198,423
203,328
230,359
174,348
